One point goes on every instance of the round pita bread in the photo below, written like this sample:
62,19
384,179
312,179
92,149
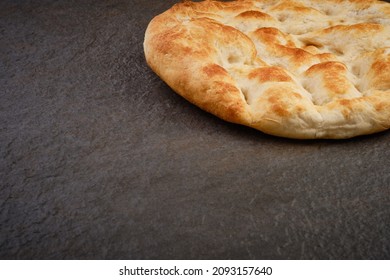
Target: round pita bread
298,69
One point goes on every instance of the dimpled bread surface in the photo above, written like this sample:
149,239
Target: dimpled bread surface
298,69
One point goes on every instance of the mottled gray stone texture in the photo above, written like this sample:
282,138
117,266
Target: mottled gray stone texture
100,159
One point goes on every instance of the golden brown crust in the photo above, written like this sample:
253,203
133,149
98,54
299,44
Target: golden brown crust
298,69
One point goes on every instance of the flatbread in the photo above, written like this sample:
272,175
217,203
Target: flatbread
299,69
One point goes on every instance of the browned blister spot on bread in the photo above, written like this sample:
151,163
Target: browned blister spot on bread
295,55
381,74
380,106
167,41
295,7
348,105
362,28
213,70
270,74
272,36
333,76
278,108
254,15
282,101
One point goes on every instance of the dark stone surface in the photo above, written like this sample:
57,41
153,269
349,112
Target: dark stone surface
101,160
